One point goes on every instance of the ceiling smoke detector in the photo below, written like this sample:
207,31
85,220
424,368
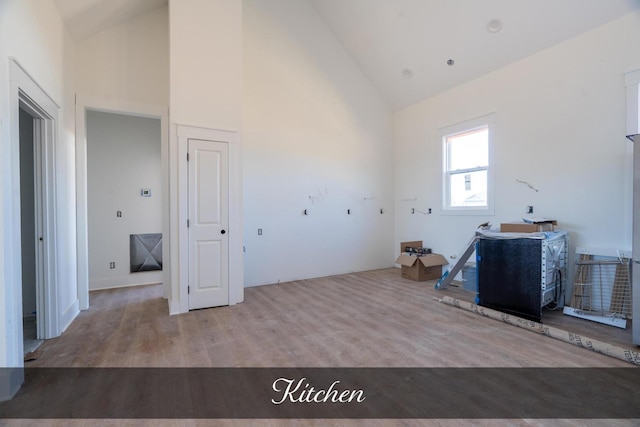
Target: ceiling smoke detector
407,73
494,25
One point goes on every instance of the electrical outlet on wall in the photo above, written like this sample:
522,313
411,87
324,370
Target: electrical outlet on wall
112,265
529,209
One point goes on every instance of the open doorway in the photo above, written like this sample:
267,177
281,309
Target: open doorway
40,116
33,212
85,108
124,199
30,202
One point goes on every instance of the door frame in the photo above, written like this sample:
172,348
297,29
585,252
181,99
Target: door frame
82,216
180,252
27,94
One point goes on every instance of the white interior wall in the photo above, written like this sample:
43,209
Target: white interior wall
123,157
123,69
128,63
205,91
317,136
206,63
560,121
66,187
32,32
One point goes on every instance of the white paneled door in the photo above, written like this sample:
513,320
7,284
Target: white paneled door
208,165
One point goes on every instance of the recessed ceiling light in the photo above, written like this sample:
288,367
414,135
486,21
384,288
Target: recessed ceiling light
407,73
494,25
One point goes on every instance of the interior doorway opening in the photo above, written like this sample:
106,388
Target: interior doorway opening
124,199
33,210
30,228
84,107
27,97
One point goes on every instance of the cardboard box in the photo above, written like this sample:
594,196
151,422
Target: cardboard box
420,268
405,245
525,227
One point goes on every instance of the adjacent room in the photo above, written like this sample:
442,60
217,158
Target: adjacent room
318,183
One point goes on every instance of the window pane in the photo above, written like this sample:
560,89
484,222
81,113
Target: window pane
469,189
469,149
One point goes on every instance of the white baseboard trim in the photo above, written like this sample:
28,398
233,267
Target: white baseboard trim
11,380
174,307
68,315
111,285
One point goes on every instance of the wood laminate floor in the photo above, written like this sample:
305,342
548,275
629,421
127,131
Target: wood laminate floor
367,319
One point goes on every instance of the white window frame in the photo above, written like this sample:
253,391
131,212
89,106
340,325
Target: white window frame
467,126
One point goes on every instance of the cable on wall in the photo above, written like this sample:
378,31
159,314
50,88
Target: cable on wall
527,184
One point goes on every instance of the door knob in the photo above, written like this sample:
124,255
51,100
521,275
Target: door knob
222,231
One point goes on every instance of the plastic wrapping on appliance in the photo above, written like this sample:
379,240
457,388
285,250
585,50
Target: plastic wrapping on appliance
540,235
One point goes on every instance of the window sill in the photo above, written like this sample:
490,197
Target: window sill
468,211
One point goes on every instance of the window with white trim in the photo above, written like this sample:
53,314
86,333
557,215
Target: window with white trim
467,181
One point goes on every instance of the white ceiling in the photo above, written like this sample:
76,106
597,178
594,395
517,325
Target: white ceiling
387,37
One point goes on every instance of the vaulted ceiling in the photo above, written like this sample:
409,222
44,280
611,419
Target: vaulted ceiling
404,47
84,18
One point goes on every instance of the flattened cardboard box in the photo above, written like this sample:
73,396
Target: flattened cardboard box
525,227
427,267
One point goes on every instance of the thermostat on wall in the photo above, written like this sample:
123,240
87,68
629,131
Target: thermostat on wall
145,192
